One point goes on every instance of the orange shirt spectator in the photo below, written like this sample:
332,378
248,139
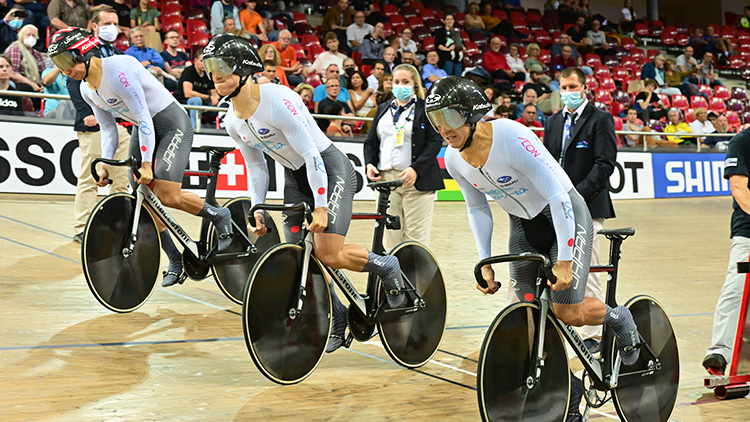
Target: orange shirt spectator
288,55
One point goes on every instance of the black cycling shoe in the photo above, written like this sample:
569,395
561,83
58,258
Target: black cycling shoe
174,274
715,361
338,328
224,229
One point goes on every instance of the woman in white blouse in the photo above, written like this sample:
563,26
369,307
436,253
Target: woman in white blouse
402,144
363,97
405,43
515,62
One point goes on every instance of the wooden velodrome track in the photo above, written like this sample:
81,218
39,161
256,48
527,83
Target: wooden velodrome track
182,355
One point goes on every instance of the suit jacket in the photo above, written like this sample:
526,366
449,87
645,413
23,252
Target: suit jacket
425,146
590,157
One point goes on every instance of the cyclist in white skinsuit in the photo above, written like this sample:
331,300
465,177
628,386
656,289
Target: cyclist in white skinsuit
119,86
273,119
507,161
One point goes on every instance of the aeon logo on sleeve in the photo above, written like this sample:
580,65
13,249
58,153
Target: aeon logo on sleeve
123,79
290,107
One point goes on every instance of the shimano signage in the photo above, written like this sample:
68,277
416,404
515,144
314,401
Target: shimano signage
680,175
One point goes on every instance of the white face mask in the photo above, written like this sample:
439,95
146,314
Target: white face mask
29,41
108,33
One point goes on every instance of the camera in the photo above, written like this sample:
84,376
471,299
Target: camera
21,14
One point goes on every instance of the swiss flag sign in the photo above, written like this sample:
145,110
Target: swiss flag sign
232,174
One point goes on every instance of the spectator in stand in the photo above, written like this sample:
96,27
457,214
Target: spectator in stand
543,92
473,23
220,9
376,73
579,37
697,41
349,68
678,127
149,58
631,124
503,112
356,32
252,22
362,95
147,18
196,87
529,97
528,118
176,59
8,105
385,89
745,20
505,101
721,125
532,57
373,45
268,74
337,127
554,84
685,62
557,50
647,103
331,56
337,19
515,63
332,89
305,91
673,79
598,40
407,57
64,13
718,45
565,59
655,70
27,63
404,43
390,59
490,20
450,46
37,14
10,25
269,52
707,74
230,27
123,16
495,62
295,72
54,83
431,71
321,91
628,18
701,125
491,94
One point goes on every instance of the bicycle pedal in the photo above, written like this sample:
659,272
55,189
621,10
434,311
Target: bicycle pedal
349,339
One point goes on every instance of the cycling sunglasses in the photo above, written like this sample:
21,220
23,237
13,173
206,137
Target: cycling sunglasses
218,66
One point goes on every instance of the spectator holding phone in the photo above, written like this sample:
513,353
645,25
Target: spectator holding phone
10,25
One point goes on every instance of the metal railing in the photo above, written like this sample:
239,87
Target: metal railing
202,109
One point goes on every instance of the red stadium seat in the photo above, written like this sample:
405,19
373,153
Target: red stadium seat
607,83
299,51
396,20
705,90
689,115
698,101
717,105
602,95
313,79
641,30
545,56
591,82
308,40
629,61
593,60
414,21
409,12
390,10
428,44
172,24
121,42
314,51
627,43
721,92
734,104
733,118
637,53
738,92
601,72
680,101
196,25
664,98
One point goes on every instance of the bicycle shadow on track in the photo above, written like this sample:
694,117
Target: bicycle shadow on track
87,362
41,268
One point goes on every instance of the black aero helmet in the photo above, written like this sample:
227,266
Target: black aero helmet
70,46
453,101
228,54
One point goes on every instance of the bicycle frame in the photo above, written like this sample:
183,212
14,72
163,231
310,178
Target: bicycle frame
367,305
603,379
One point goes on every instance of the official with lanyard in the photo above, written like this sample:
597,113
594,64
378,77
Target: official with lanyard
402,145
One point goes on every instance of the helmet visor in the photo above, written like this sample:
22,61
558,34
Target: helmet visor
64,60
446,118
218,66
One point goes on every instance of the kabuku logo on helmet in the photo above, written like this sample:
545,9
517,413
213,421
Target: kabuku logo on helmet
53,49
251,63
432,99
209,49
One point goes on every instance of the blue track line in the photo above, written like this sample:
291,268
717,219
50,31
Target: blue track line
36,227
40,250
124,343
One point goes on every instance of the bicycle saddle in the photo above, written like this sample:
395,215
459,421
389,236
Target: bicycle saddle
215,149
385,184
627,231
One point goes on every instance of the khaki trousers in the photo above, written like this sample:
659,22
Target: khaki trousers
414,208
86,190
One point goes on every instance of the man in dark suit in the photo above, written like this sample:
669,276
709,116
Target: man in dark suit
582,138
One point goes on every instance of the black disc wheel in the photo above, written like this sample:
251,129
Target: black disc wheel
411,340
504,367
121,281
286,350
232,275
650,397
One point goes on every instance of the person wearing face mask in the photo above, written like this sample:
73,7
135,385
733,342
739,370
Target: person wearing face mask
401,144
10,25
26,62
582,138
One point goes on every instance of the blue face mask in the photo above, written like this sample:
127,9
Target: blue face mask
572,99
16,24
403,92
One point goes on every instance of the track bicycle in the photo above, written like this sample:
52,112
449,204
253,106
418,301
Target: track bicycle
121,245
523,372
287,313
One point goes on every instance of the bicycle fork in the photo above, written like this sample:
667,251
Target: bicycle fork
128,249
535,372
296,309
